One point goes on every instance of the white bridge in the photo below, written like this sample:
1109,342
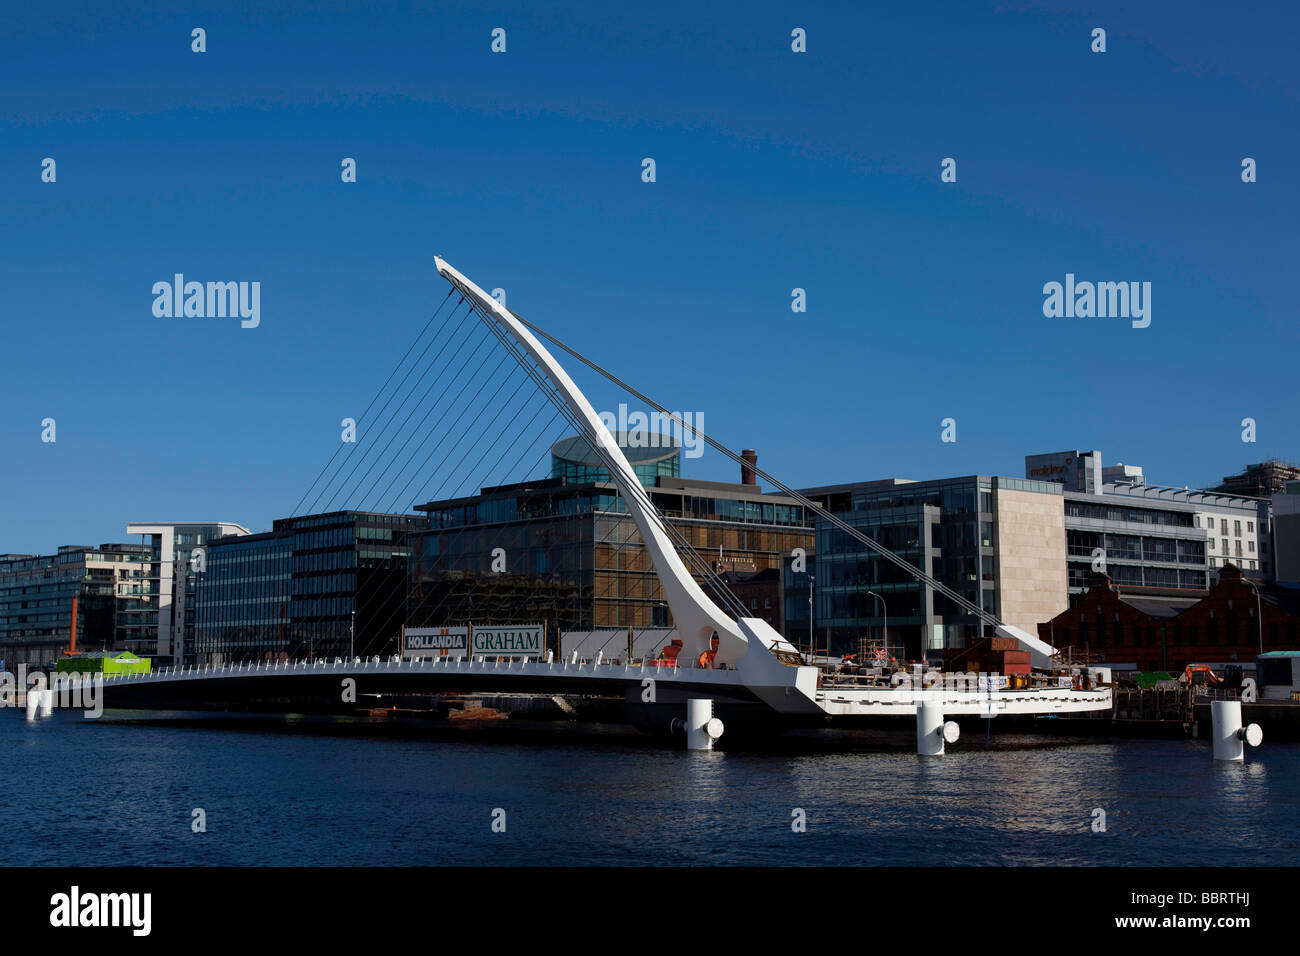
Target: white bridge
738,663
645,679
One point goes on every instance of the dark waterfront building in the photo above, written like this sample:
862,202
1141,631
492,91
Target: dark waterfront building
759,592
998,541
296,591
564,552
796,596
37,591
1166,632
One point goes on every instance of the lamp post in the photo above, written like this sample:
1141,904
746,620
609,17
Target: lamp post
884,607
1259,612
811,614
352,637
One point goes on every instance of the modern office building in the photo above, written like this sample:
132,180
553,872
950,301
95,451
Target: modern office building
1237,526
326,585
37,592
1078,471
650,455
157,619
1000,542
1286,534
564,552
1155,536
798,584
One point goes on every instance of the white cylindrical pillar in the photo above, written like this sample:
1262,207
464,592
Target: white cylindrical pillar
929,723
33,703
47,702
1225,721
1229,736
702,728
931,731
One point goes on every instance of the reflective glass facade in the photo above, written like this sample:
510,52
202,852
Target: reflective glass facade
1143,544
574,461
947,528
570,555
297,591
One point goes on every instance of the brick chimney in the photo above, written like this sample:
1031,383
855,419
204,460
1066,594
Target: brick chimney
750,459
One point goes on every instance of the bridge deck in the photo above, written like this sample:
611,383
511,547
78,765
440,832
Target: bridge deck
435,675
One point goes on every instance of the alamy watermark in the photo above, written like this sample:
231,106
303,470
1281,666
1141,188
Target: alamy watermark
1102,300
77,691
658,429
212,300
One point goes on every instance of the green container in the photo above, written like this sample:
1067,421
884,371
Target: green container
1147,680
124,663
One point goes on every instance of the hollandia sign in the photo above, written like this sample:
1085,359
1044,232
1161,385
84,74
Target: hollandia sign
435,642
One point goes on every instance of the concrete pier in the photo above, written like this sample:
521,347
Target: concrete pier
1228,735
702,728
931,731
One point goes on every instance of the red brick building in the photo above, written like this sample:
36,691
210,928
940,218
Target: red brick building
759,591
1167,633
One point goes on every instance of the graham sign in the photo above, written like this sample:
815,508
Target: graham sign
510,640
436,642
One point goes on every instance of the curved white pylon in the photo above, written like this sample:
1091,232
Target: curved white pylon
696,616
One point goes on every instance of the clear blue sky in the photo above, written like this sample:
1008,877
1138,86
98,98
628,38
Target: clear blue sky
775,170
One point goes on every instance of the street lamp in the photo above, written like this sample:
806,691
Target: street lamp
812,641
1259,612
353,636
884,607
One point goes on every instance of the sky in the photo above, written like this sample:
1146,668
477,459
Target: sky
774,170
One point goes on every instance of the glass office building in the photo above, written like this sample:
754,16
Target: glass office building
564,552
1157,545
298,591
574,459
999,542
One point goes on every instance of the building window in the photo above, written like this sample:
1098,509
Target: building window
1236,528
1226,549
1250,527
1211,544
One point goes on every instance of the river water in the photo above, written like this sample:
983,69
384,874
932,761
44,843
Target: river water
124,789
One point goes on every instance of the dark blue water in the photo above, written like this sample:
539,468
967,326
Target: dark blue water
121,790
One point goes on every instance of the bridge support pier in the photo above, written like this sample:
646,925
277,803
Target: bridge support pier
1229,736
702,728
931,731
